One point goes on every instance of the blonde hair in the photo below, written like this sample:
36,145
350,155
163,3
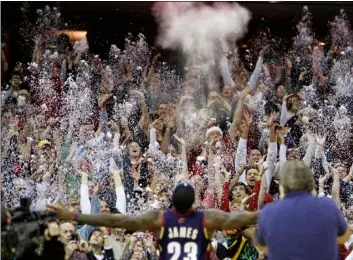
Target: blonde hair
297,176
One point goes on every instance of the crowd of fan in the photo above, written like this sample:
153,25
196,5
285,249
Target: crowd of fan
110,137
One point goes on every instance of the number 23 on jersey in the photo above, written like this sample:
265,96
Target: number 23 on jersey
190,250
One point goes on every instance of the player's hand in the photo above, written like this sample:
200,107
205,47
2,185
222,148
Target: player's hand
62,213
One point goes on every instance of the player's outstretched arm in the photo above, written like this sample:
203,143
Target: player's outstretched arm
220,220
149,220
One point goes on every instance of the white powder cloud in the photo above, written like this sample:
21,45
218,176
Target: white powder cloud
198,29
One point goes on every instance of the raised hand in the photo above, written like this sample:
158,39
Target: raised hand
38,41
333,170
287,96
267,70
227,175
260,163
323,179
114,127
247,198
14,122
288,63
246,91
46,176
320,140
102,100
270,120
153,124
241,168
280,136
104,231
248,117
264,50
135,173
168,121
149,241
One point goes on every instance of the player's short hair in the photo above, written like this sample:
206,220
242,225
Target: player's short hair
183,197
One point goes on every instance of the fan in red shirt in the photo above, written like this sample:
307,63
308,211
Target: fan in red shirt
253,179
234,191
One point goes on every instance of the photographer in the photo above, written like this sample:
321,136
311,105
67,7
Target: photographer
21,236
70,240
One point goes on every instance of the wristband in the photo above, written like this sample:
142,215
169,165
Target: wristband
75,216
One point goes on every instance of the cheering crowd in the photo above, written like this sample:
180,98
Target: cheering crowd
114,136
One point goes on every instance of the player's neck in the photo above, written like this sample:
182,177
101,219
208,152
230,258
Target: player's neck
182,214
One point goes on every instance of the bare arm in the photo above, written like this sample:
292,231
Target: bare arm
169,124
220,220
183,153
322,181
263,189
26,150
238,112
72,152
336,187
149,220
166,140
349,176
145,119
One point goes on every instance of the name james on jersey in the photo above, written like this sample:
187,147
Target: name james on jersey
182,232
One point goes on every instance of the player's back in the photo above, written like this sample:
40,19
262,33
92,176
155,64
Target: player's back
183,236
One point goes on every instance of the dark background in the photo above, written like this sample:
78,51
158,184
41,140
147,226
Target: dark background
109,22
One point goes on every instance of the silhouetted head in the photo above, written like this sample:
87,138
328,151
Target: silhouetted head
183,197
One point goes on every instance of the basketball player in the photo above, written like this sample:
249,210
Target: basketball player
183,232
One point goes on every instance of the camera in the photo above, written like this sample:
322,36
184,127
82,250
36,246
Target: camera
23,230
74,237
